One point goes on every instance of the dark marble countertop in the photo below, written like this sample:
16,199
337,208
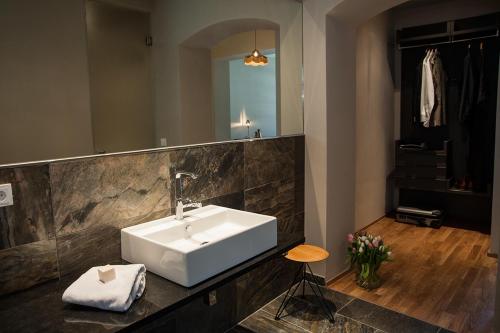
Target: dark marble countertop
40,309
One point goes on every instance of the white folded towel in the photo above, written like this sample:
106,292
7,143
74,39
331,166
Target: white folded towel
115,295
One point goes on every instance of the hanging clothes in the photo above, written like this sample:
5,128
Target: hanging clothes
478,124
427,96
432,91
438,117
481,94
417,90
468,87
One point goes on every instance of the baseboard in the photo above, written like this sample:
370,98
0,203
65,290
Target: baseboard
372,223
338,276
322,279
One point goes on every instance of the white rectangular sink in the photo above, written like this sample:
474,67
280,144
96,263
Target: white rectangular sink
217,239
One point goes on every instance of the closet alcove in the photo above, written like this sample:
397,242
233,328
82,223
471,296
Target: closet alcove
454,173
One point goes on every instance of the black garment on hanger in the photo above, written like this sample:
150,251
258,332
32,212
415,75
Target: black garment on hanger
417,89
468,87
481,94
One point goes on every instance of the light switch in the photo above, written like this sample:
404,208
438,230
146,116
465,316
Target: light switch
6,198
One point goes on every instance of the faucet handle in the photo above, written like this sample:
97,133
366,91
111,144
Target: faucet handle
180,174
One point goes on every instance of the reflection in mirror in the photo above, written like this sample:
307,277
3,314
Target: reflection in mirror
244,96
84,77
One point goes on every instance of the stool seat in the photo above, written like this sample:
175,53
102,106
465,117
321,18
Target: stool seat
307,253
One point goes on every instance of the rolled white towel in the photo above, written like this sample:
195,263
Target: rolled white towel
115,295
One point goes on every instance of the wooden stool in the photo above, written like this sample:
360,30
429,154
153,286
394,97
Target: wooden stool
306,254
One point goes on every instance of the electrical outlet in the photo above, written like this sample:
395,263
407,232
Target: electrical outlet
163,142
6,198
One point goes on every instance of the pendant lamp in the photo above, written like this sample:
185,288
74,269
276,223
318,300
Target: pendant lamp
255,58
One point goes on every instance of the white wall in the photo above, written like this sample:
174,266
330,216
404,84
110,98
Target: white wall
243,43
175,21
221,99
374,119
330,105
196,119
120,78
341,149
44,83
315,128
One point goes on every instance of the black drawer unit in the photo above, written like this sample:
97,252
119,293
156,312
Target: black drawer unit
422,169
412,172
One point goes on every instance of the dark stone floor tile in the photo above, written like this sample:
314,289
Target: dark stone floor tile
305,313
385,319
301,313
339,299
263,322
239,329
347,325
335,299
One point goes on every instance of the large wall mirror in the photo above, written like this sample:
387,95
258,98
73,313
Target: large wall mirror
85,77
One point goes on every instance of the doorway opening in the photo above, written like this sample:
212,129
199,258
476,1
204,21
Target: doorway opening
444,276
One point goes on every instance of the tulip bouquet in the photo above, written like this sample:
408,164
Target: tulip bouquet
366,254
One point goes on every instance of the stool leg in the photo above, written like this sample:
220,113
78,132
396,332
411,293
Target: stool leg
304,282
287,298
321,297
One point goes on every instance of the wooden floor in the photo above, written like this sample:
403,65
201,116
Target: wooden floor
442,276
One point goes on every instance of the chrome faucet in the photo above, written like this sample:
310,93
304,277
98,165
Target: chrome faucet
180,202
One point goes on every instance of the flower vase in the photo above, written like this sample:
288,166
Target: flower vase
367,276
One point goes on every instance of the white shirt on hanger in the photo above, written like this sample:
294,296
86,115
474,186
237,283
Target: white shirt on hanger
427,91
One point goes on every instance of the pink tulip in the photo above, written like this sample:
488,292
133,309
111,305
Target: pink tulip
375,243
353,250
370,245
350,238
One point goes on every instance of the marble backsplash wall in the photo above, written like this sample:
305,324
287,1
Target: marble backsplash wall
68,214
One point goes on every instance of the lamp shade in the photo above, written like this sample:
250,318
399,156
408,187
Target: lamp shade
255,58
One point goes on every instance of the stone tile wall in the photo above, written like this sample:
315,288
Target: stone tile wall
68,214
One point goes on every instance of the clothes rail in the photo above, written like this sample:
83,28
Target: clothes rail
497,34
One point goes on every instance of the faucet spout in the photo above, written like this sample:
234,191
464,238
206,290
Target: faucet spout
180,202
